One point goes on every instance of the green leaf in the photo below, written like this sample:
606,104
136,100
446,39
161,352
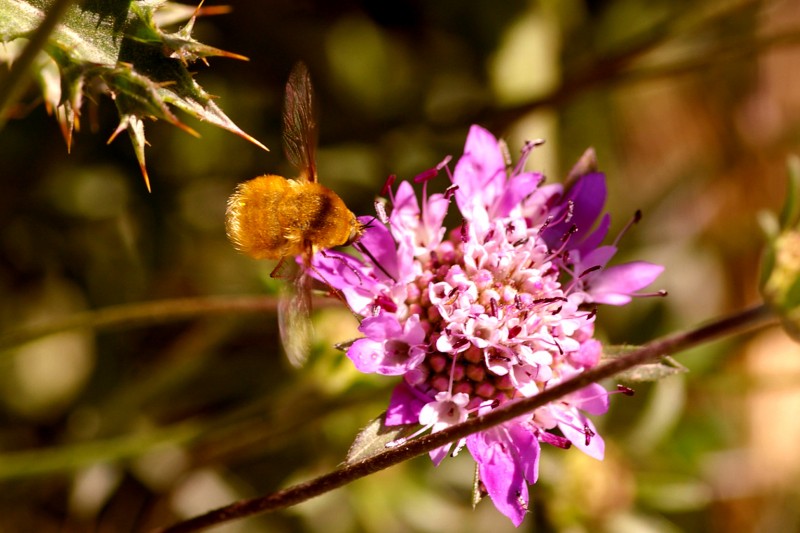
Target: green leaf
116,47
766,267
344,346
652,372
135,127
647,372
790,213
375,438
618,350
792,298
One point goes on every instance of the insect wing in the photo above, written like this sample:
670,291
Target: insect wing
299,126
294,324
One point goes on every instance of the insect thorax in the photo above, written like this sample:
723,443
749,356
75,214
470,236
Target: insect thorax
313,213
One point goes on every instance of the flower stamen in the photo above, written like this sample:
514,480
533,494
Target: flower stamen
387,185
627,391
587,431
637,216
364,250
450,191
525,152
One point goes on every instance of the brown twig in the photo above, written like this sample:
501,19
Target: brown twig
743,321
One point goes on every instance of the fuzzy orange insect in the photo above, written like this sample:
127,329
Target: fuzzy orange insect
271,217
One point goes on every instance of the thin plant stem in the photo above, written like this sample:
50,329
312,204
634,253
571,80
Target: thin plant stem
617,71
211,440
137,315
14,82
73,457
741,322
146,314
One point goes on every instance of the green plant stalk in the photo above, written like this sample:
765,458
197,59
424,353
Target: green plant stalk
621,71
68,458
137,315
210,440
14,83
145,314
741,322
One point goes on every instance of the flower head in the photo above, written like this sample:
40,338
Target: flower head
498,308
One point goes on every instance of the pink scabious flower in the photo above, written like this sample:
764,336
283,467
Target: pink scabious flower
499,308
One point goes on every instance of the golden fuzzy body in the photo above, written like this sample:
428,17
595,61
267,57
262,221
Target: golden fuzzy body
270,217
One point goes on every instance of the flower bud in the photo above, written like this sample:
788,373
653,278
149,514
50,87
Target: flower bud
782,287
780,277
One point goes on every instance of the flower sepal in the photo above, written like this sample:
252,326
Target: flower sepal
478,490
665,368
376,437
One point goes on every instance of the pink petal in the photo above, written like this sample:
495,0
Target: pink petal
480,173
615,284
592,399
434,212
337,268
500,474
588,355
588,196
517,188
380,244
527,450
405,212
367,355
598,257
569,427
593,240
381,327
404,406
438,455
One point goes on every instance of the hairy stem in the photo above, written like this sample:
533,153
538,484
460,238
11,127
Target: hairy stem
746,320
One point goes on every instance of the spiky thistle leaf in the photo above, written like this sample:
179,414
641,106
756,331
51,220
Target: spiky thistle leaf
116,47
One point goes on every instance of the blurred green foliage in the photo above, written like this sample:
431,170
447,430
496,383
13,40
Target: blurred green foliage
692,108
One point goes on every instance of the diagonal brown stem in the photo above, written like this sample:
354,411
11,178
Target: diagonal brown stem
746,320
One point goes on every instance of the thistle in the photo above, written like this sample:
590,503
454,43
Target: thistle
117,49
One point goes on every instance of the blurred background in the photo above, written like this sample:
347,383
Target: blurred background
692,107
